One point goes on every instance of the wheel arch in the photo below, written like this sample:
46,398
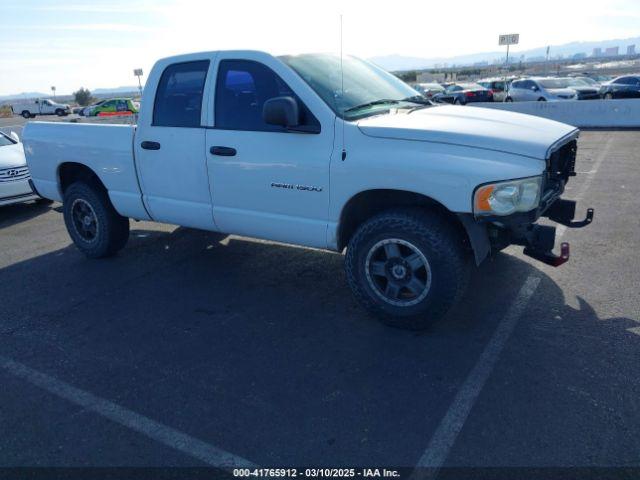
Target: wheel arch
365,204
70,172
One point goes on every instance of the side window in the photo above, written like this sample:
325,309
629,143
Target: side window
516,84
622,81
242,88
178,100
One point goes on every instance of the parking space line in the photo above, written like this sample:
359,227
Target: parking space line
445,435
156,431
450,426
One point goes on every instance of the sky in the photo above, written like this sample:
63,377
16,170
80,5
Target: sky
97,43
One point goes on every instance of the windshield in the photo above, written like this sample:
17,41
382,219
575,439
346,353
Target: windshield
367,88
555,82
5,141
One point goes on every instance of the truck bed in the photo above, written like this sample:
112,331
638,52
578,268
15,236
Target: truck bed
105,149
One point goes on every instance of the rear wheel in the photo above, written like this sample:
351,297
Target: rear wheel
93,224
508,99
26,114
407,266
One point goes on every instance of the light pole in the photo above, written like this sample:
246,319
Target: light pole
510,39
138,73
53,89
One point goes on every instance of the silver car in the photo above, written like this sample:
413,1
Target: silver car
540,89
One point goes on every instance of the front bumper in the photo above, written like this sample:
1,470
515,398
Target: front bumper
16,192
521,228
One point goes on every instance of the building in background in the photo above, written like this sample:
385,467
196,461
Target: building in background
597,52
631,49
611,51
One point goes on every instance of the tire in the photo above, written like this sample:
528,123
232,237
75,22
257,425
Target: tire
93,224
60,112
421,238
608,96
26,114
542,99
457,102
508,99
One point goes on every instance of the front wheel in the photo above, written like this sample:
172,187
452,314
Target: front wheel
93,224
608,96
407,266
26,114
508,99
542,99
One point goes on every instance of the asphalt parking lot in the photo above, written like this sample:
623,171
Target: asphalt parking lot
192,349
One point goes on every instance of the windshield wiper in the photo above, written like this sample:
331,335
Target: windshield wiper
383,101
418,99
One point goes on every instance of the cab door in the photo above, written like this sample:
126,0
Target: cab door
170,145
267,181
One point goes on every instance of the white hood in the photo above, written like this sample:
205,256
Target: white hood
485,128
12,156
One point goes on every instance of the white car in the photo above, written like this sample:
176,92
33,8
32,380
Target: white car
30,109
287,149
14,174
541,90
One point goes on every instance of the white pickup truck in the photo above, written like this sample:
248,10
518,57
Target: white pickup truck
31,108
291,150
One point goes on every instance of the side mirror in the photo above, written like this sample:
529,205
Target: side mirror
283,111
15,136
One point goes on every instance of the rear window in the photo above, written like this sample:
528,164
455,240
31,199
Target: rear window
179,96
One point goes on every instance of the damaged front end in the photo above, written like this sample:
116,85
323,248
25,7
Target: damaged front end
521,228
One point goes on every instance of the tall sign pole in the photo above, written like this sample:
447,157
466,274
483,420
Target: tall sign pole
53,89
509,39
138,73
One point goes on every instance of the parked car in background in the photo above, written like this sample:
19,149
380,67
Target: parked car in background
584,89
14,173
429,89
497,85
113,106
627,86
31,108
540,89
463,93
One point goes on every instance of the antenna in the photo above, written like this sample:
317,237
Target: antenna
344,151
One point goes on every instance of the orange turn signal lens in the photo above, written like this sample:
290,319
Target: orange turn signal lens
482,198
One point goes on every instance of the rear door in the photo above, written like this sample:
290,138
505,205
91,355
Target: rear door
170,146
268,182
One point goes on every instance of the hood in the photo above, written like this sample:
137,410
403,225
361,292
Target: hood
585,89
562,91
476,127
12,156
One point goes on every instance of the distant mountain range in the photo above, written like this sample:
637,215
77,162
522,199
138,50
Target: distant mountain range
100,92
400,62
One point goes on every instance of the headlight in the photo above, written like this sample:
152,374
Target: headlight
505,198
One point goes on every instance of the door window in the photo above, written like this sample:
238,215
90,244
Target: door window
242,88
178,100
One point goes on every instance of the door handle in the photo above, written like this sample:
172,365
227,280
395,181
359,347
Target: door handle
223,151
150,145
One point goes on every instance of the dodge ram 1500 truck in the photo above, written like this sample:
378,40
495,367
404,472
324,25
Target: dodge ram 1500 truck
319,152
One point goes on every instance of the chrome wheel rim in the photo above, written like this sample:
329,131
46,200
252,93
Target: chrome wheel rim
398,272
84,220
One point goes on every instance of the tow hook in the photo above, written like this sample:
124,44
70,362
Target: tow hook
563,211
548,256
